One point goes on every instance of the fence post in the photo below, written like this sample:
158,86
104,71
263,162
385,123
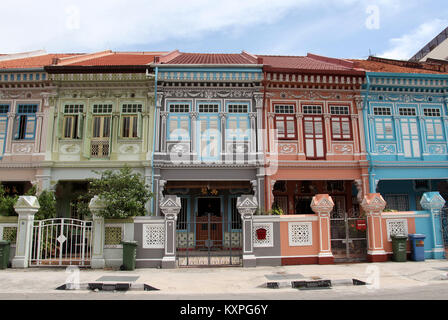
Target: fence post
373,205
247,205
170,206
433,202
26,207
322,204
95,206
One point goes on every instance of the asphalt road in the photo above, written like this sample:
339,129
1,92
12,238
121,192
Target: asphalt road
424,292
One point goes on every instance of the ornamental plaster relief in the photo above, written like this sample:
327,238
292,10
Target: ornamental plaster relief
287,148
129,148
342,148
437,149
405,98
23,147
386,148
70,148
208,94
314,95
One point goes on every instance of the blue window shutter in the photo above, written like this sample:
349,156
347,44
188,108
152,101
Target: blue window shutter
3,130
30,129
16,127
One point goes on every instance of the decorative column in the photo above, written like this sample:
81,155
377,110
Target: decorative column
163,137
26,207
327,128
247,205
9,136
359,101
157,129
433,202
193,138
299,122
223,123
95,206
322,204
38,132
373,204
170,207
258,97
253,128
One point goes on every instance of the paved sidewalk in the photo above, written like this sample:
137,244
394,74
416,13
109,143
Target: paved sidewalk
391,275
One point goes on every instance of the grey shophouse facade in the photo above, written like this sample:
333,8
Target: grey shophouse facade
208,150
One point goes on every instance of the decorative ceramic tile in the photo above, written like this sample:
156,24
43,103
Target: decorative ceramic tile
268,241
153,236
300,234
113,235
396,226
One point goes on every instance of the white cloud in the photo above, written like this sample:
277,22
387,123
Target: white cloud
92,25
96,25
406,46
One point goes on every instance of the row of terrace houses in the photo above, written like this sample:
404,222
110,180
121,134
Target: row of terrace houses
210,128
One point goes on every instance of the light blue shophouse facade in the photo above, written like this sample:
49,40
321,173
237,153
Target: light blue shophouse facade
406,139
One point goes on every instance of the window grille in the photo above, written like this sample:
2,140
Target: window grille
407,111
102,108
284,108
4,108
131,108
312,109
73,108
27,108
382,111
179,108
238,108
209,108
339,110
431,112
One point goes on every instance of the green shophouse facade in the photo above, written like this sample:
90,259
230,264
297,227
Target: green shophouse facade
103,119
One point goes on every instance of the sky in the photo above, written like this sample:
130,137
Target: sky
353,29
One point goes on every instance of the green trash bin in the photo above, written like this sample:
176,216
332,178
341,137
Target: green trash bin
129,255
4,254
399,247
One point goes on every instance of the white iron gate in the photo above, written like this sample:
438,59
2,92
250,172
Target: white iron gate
61,242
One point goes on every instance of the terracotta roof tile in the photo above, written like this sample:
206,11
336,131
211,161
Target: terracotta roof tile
389,66
211,58
310,62
33,62
119,59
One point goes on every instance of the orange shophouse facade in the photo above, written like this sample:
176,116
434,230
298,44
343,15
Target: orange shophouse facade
315,145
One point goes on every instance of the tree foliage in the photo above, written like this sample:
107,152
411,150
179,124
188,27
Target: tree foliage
124,193
7,203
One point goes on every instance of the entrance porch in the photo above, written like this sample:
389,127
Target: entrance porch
208,227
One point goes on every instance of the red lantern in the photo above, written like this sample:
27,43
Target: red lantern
261,234
361,225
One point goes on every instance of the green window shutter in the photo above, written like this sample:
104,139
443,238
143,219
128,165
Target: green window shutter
80,126
139,125
60,125
120,127
87,136
110,135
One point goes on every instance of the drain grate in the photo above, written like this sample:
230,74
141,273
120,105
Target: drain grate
112,287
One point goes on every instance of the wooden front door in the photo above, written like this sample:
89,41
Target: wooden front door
209,223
